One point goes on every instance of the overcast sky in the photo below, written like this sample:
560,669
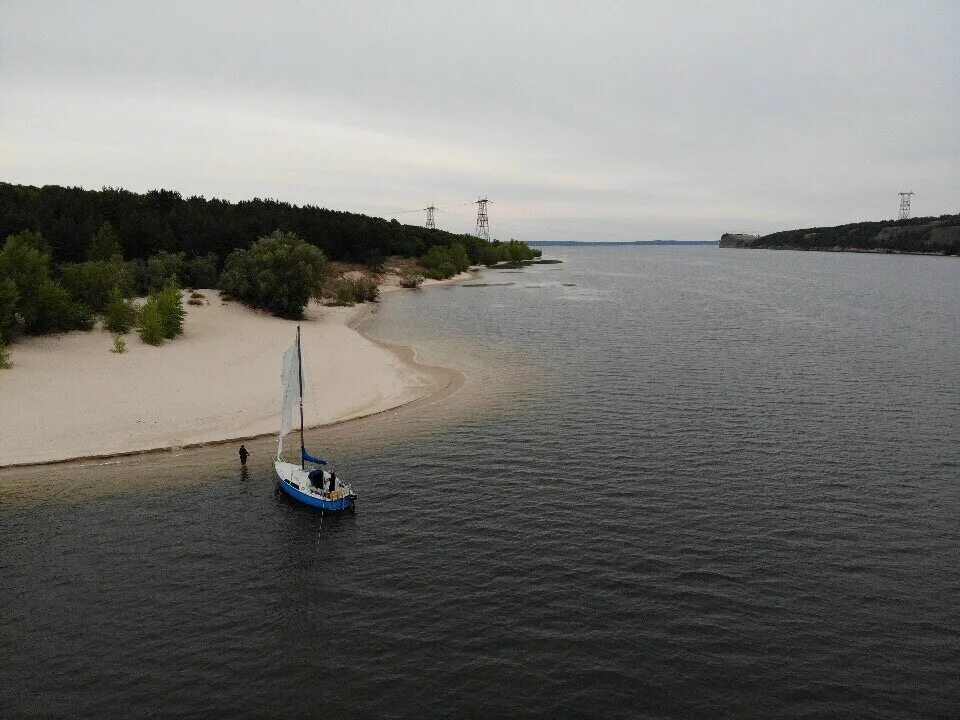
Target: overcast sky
580,120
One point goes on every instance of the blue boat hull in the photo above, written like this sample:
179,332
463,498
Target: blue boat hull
344,503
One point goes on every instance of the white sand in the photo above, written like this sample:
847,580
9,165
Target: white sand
69,396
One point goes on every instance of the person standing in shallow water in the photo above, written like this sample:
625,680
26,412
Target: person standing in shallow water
243,455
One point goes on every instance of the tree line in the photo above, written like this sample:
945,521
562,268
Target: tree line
164,220
65,282
939,235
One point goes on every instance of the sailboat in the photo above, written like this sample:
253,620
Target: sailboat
311,485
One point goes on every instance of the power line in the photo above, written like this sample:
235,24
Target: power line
554,225
441,207
457,205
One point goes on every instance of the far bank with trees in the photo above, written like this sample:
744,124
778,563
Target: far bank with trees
915,236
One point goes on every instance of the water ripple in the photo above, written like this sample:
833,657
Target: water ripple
701,484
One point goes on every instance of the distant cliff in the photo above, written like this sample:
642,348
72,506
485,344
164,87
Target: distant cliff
928,236
737,240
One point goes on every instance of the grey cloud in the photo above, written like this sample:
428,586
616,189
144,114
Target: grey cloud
603,120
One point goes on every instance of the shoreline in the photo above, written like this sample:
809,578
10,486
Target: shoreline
454,380
430,383
852,250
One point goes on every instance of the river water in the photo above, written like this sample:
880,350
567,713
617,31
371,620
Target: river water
679,482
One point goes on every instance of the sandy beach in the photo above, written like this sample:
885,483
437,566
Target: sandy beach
68,396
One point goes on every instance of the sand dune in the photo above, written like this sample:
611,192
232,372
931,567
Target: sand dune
69,396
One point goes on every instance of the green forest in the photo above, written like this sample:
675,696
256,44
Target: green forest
934,235
71,256
147,223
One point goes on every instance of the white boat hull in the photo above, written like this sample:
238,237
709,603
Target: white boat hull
295,482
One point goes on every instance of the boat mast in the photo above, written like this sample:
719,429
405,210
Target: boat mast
300,378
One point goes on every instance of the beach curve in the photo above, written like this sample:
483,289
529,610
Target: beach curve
172,397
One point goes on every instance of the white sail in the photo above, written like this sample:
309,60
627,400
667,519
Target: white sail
294,478
291,392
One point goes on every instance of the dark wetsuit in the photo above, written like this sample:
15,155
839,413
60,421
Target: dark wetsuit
243,455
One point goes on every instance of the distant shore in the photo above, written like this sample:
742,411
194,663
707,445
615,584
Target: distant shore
623,243
938,236
68,397
837,249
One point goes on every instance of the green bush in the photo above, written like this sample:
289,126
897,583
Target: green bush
513,251
518,251
120,315
137,270
119,344
364,289
438,263
279,273
161,269
170,304
151,328
40,305
345,296
161,316
411,280
489,255
350,291
447,270
105,244
94,282
27,268
56,311
443,261
156,271
458,256
8,310
201,271
5,361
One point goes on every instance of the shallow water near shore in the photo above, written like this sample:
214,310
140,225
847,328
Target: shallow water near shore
678,482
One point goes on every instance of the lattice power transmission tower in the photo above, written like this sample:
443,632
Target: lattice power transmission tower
483,223
905,205
431,224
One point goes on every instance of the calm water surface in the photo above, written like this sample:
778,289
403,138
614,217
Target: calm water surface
679,483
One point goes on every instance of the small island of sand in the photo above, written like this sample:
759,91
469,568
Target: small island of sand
66,396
